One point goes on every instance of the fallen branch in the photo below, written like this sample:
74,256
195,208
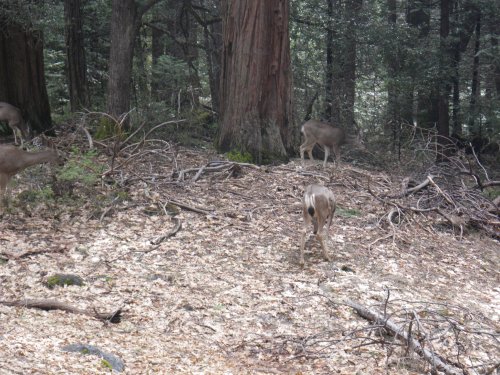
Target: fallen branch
398,332
189,208
47,305
27,253
177,227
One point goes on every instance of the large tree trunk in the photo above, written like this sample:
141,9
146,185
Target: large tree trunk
76,68
256,79
22,75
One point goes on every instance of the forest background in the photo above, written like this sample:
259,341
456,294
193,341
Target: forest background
382,67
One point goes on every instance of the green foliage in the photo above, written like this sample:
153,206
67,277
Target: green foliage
82,167
106,364
492,193
108,128
62,280
35,196
171,75
347,212
239,157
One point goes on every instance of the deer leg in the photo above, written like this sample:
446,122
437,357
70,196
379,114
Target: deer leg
327,153
336,151
306,147
306,224
323,239
302,246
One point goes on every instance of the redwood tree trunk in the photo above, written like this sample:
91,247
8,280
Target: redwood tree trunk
75,53
22,75
256,79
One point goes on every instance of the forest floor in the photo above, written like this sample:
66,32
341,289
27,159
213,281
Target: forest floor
225,293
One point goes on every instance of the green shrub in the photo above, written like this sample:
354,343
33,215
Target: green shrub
82,167
239,157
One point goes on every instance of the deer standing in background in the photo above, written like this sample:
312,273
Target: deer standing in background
329,137
14,119
13,160
318,206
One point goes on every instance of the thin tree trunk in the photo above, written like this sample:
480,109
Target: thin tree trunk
157,50
213,46
125,20
475,81
444,87
457,125
393,70
75,54
329,64
350,66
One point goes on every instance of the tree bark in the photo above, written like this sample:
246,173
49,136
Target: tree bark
343,81
76,68
22,75
475,82
443,127
124,25
213,47
330,35
256,80
125,21
354,8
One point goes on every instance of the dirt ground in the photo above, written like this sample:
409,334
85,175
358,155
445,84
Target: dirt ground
225,293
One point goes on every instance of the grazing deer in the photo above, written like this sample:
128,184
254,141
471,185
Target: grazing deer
329,137
14,119
318,206
13,160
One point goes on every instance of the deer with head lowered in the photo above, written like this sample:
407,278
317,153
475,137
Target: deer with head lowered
13,160
329,137
318,207
12,115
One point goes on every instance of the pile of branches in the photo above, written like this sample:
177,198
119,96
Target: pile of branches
447,338
453,188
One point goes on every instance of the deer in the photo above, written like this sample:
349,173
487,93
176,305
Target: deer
12,115
327,136
13,160
318,207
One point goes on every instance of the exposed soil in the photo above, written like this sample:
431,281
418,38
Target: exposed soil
225,294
